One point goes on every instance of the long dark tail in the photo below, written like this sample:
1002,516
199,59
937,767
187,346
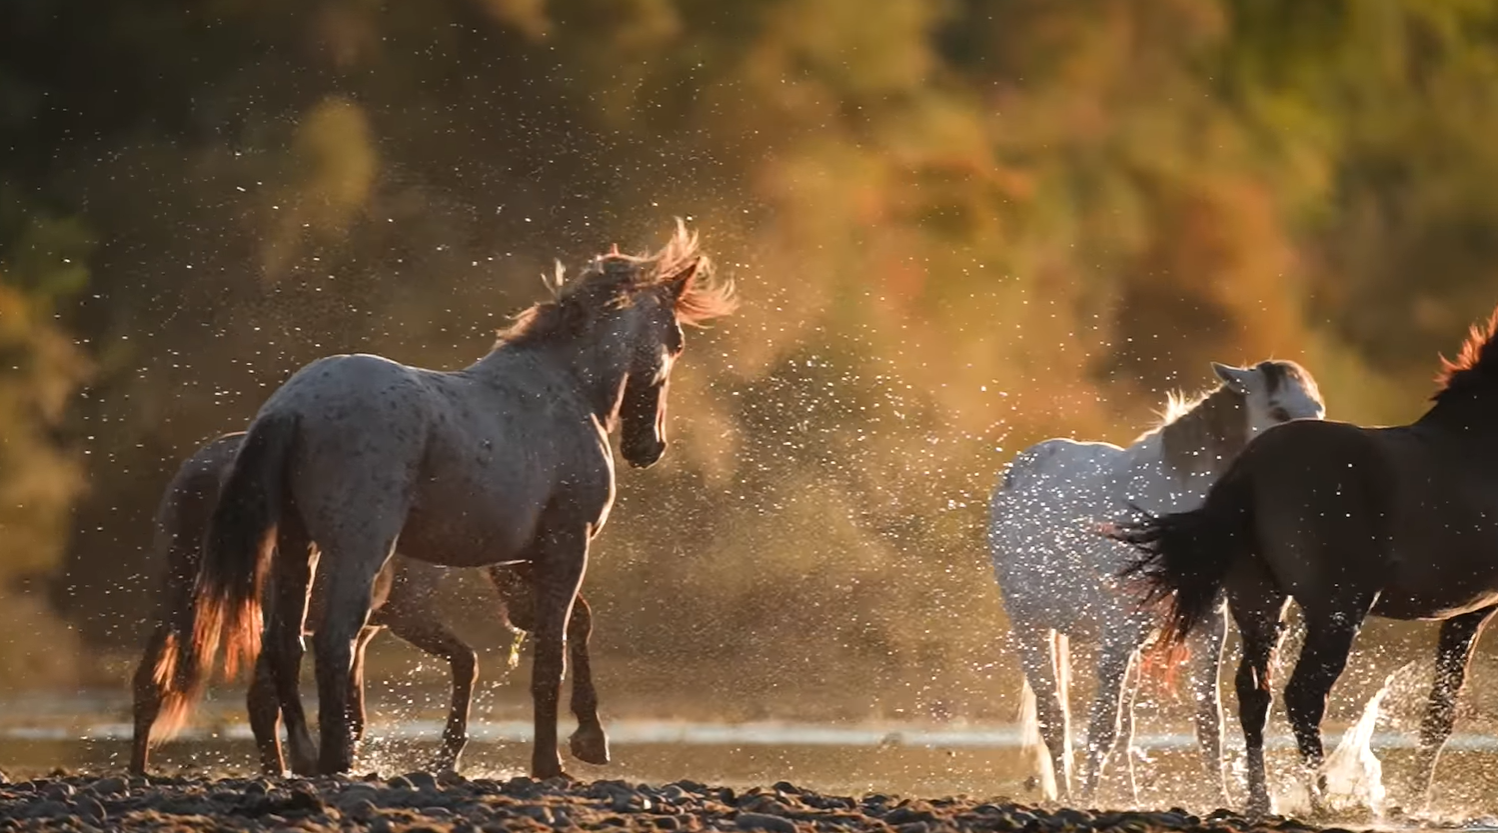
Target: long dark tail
237,551
1186,555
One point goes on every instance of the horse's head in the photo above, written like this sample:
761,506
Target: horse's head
1273,392
656,341
619,327
642,326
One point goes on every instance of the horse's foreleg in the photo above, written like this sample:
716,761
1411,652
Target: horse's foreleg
1206,660
1114,658
1458,637
1040,660
1257,610
265,713
1330,632
357,716
147,700
1126,734
589,743
420,626
291,580
559,572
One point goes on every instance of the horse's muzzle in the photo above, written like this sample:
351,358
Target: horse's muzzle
643,454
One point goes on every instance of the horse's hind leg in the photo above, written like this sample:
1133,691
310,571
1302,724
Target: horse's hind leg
1330,631
1458,637
1115,656
265,713
1206,660
1257,609
291,585
589,743
353,557
416,622
1041,661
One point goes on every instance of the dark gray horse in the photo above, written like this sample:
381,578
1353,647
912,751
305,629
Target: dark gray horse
506,461
1348,521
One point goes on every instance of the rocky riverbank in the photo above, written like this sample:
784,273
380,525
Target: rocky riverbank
422,802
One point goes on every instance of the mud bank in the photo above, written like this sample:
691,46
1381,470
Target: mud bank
422,802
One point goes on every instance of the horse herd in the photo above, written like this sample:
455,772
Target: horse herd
1243,499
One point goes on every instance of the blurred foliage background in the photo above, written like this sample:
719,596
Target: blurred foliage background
959,227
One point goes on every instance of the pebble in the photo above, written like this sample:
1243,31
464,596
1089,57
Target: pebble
109,786
762,821
91,809
361,809
424,781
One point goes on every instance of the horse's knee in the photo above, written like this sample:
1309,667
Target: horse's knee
580,624
465,665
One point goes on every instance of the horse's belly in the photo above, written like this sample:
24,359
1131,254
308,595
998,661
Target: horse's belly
1438,595
1434,607
469,533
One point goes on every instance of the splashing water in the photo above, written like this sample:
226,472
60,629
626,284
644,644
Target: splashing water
1354,776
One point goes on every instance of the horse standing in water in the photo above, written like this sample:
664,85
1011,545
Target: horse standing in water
403,601
1056,573
1348,521
505,461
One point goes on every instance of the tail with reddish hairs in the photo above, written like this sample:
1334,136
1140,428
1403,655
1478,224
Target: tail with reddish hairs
236,559
1160,664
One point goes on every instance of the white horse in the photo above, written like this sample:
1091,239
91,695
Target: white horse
506,461
1058,575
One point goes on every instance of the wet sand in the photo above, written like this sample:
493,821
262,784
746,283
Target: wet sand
422,802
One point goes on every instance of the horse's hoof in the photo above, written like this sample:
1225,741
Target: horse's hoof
305,769
444,766
590,745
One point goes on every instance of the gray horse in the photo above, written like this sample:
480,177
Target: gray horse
403,602
506,461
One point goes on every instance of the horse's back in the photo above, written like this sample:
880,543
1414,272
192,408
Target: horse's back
459,465
190,496
1042,537
1403,508
1058,459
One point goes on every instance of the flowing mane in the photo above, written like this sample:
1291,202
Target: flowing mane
1476,366
1195,432
612,280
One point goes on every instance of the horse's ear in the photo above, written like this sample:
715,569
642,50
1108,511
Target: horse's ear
1236,378
682,279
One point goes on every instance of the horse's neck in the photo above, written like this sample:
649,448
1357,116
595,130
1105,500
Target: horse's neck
1470,422
597,376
